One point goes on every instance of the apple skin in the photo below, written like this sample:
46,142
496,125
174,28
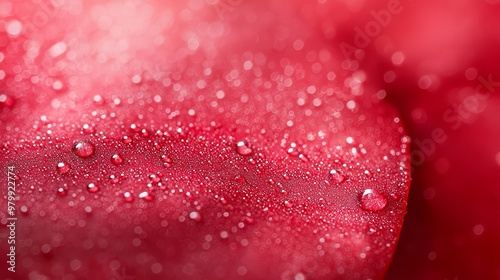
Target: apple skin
167,140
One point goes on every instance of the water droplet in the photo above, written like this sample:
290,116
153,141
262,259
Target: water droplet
166,158
6,100
243,148
372,200
92,188
117,159
154,178
146,196
134,127
167,161
24,209
240,179
336,176
83,149
61,191
195,216
144,133
126,139
113,179
88,129
293,149
63,168
128,197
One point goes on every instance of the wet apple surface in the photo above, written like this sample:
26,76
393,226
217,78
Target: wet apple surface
183,141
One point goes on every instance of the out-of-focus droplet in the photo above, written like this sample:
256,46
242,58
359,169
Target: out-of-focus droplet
6,100
146,196
195,216
128,197
126,139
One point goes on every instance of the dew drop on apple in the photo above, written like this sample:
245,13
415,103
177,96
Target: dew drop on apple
372,200
92,188
117,159
84,149
243,148
63,167
336,177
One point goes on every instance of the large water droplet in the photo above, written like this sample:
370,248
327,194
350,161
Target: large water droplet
243,148
117,159
92,188
63,167
372,200
84,149
336,176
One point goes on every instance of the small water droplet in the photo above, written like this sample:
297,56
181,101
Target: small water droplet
83,149
146,196
167,161
243,148
6,100
24,209
88,129
336,176
92,188
117,159
195,216
372,200
61,191
63,167
240,179
128,197
113,179
126,139
154,178
134,127
144,133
